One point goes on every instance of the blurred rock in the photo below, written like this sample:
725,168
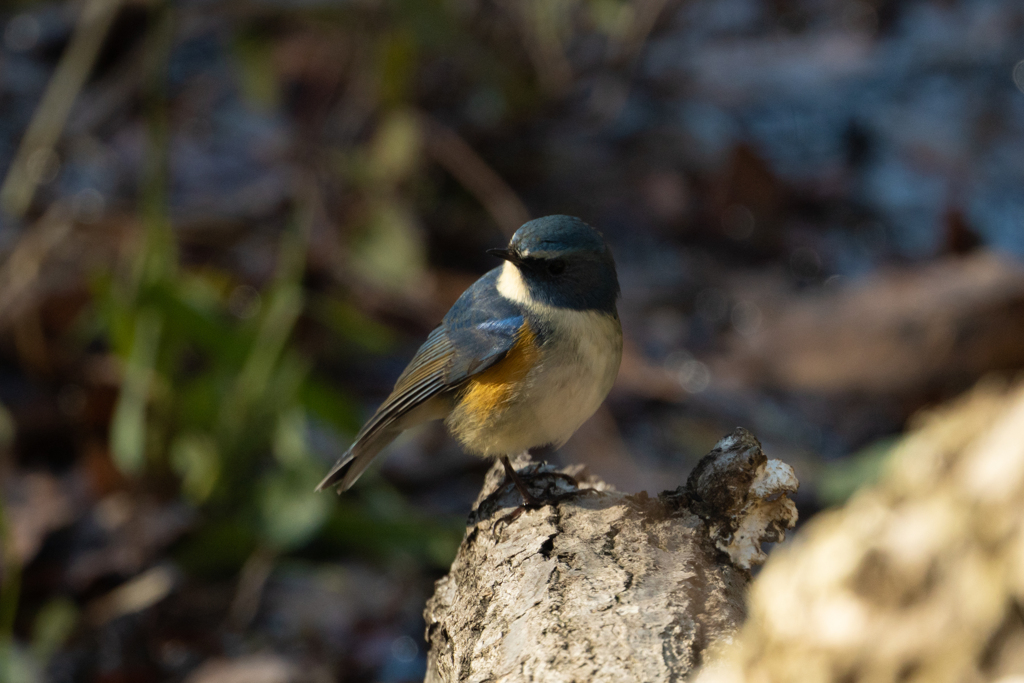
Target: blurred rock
37,504
919,578
263,668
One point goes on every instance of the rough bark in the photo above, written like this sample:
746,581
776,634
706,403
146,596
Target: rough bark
599,585
918,578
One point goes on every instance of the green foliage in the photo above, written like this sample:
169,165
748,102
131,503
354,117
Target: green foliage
841,479
349,324
394,531
212,397
194,458
217,399
253,53
216,391
51,628
224,402
396,66
218,548
128,429
17,664
291,510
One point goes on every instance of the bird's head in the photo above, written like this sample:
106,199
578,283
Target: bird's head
559,261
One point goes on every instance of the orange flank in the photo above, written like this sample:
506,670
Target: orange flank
486,392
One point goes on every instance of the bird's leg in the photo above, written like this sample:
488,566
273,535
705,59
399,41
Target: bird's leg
528,498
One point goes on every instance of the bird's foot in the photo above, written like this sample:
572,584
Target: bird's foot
529,501
532,502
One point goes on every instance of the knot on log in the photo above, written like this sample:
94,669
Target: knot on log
600,585
742,495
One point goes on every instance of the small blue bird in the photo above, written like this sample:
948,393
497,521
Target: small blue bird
521,360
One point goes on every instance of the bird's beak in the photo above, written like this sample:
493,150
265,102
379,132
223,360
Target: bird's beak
507,255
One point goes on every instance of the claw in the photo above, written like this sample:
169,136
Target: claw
528,499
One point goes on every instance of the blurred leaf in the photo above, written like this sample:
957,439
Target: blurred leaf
842,478
284,305
158,260
292,512
396,66
204,290
194,457
331,406
390,252
113,308
290,438
612,17
199,398
53,624
276,326
352,526
254,56
200,324
17,665
351,325
128,427
384,502
432,22
283,389
396,148
218,548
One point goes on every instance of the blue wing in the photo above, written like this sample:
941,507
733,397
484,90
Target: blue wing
475,334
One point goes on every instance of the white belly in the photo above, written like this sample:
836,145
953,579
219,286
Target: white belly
562,391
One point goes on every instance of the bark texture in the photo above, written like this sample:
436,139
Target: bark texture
919,578
601,585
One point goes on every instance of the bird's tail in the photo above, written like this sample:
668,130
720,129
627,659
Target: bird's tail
355,461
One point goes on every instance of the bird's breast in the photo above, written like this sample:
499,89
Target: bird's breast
546,386
489,392
578,372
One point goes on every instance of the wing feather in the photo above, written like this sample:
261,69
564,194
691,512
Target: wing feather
476,333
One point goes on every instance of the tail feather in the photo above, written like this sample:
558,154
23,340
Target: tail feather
376,435
355,461
337,472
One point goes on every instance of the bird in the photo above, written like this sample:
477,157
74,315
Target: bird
523,358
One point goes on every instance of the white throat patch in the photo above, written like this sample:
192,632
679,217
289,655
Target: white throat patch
511,285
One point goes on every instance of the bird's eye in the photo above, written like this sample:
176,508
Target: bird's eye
556,267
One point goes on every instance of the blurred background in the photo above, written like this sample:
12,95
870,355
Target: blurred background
226,225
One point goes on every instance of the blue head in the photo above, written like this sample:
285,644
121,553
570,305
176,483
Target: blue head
562,262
